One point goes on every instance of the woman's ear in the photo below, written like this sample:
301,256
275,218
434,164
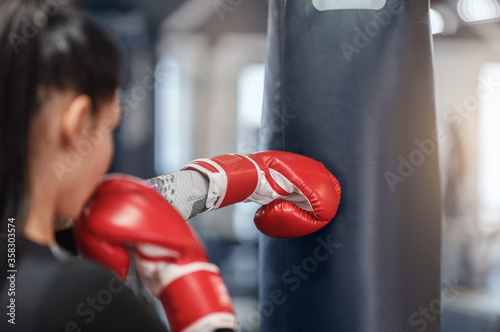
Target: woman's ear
76,118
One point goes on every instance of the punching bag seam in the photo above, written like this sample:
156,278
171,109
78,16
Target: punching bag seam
282,88
282,61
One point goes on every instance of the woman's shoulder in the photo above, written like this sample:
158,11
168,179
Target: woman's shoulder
54,293
91,298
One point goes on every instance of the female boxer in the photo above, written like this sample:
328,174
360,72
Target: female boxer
58,85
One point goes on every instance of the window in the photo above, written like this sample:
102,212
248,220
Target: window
172,117
488,149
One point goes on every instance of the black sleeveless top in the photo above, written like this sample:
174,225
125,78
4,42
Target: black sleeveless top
68,295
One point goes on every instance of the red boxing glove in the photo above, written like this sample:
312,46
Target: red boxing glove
298,193
169,258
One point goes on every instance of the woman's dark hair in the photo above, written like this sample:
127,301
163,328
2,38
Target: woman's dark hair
43,46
